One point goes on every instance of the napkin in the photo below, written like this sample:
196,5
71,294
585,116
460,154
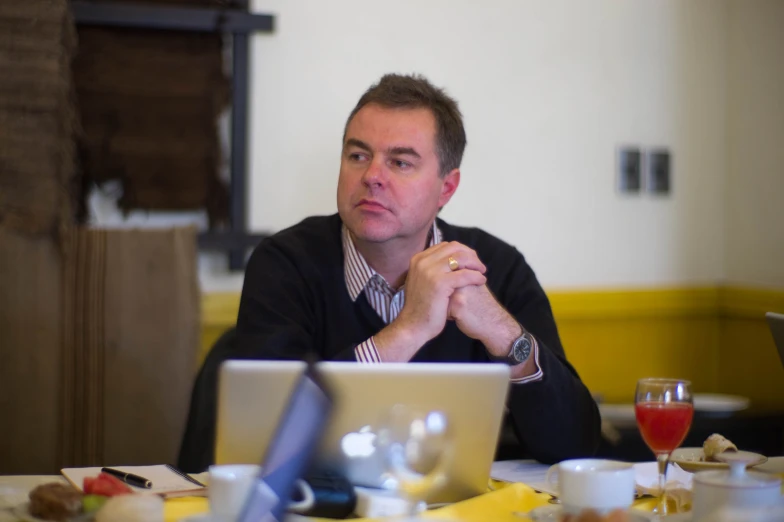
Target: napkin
527,471
678,484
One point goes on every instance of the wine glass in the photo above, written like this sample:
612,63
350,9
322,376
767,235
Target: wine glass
664,411
417,447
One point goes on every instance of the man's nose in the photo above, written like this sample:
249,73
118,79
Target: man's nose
375,174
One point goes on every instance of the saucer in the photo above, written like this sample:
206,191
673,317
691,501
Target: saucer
693,460
22,513
553,513
206,517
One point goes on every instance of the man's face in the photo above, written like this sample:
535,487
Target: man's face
389,184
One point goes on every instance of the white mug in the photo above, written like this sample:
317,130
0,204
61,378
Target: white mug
597,484
229,486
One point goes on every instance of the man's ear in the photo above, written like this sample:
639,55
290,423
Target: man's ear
448,189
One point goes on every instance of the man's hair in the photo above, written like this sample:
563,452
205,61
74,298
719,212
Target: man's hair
397,91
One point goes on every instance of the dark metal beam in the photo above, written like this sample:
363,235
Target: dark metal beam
129,14
239,142
241,241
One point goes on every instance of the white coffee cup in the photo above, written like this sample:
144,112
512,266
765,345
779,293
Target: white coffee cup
597,484
230,484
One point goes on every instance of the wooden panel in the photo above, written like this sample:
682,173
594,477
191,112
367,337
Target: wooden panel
152,333
30,357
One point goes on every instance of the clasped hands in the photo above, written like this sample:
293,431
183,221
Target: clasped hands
435,293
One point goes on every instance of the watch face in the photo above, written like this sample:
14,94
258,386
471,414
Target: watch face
522,349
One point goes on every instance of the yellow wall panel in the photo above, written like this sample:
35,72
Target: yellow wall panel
611,355
749,363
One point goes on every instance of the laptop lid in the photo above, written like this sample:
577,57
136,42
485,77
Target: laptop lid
776,324
472,395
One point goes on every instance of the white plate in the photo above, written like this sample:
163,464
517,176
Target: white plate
22,513
616,412
720,403
693,459
553,514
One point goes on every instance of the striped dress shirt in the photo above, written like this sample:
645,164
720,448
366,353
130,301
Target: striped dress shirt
386,301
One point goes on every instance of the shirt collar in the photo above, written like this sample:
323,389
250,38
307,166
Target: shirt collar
357,271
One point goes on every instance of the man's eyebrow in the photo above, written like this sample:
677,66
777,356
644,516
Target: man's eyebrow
399,151
353,142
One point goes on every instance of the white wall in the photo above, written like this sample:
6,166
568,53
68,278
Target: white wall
755,139
549,89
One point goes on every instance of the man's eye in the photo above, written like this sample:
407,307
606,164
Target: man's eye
356,156
400,164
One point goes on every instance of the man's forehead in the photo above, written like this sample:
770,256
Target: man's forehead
384,127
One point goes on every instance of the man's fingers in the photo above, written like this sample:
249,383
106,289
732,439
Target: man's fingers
465,277
466,261
440,255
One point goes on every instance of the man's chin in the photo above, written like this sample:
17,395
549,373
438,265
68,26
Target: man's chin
372,236
371,232
371,228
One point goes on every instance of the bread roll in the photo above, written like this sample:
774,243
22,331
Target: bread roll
55,501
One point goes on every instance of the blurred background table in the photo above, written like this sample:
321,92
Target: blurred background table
756,429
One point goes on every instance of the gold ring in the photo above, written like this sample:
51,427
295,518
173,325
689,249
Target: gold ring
453,264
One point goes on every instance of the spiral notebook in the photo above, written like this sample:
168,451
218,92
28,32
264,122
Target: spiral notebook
167,480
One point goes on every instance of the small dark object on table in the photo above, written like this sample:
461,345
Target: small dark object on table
55,501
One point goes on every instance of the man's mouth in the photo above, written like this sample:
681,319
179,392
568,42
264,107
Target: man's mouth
370,204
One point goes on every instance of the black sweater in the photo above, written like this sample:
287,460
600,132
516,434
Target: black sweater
295,301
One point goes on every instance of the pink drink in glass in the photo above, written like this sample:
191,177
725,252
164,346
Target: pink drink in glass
664,425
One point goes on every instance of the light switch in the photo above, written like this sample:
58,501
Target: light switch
657,171
629,171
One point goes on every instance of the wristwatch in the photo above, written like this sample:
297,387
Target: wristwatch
521,349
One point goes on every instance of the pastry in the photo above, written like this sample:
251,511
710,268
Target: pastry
716,444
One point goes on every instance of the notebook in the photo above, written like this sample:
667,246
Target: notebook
167,481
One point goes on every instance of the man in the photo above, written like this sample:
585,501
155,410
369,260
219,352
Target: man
385,280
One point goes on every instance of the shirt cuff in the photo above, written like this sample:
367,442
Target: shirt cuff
367,352
538,375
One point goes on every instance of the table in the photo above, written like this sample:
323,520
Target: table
507,504
499,506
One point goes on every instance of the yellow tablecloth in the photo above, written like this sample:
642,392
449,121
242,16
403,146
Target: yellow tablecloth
508,503
499,506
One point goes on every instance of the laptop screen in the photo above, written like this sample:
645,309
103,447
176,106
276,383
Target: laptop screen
290,450
776,324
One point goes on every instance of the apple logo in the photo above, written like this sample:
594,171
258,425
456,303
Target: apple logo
359,444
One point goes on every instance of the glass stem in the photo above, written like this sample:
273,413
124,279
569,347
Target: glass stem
414,507
662,460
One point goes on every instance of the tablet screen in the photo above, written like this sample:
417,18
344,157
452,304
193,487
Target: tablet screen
290,451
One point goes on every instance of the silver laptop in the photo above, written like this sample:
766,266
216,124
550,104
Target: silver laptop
776,324
473,396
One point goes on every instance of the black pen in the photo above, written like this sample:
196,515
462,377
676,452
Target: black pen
128,478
